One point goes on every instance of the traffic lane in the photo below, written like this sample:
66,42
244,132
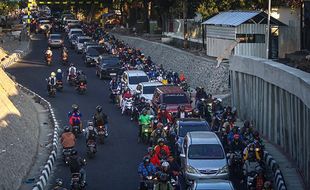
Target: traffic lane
120,153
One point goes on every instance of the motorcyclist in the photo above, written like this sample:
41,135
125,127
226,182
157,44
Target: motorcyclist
145,169
76,164
75,117
181,112
127,95
163,177
113,84
48,52
164,116
233,132
59,75
153,157
217,105
51,81
182,76
144,120
148,109
59,184
64,53
139,106
101,119
159,132
249,153
175,168
67,139
195,113
72,72
228,115
81,78
91,133
200,94
162,150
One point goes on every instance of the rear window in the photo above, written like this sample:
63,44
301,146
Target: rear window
179,98
205,151
52,37
112,61
184,129
138,79
77,32
84,40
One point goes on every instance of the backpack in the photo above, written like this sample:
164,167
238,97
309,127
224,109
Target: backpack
92,135
74,165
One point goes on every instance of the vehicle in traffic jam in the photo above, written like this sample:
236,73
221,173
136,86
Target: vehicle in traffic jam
107,66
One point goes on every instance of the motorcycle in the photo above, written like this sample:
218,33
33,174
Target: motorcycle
101,133
251,174
81,88
48,60
91,148
59,85
64,58
71,80
66,152
76,130
128,106
146,133
205,109
148,183
113,95
52,91
76,182
235,160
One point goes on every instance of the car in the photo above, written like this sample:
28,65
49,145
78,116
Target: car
211,184
185,125
73,39
43,25
74,31
203,157
148,89
80,42
72,25
89,45
108,66
172,97
55,40
92,55
132,78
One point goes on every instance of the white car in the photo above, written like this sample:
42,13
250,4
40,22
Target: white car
74,31
132,78
148,89
80,43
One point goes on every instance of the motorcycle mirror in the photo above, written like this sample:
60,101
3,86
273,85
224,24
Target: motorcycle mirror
182,155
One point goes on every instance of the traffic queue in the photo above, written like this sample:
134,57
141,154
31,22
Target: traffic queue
192,139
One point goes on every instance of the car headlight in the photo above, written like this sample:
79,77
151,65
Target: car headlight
223,170
192,170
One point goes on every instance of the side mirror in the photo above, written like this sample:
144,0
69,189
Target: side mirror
182,155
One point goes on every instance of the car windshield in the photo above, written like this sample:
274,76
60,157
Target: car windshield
82,40
113,61
205,151
76,32
55,37
138,79
184,129
149,89
179,98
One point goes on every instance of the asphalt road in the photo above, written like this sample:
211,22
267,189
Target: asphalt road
115,164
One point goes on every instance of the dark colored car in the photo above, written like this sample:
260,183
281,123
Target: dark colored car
172,97
183,126
108,66
92,55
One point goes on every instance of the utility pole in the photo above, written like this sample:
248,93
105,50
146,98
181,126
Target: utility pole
185,36
268,30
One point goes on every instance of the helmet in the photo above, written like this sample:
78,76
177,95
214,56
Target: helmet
58,70
196,112
160,140
146,160
219,100
90,123
49,48
74,152
160,124
67,129
75,107
53,74
144,112
142,99
165,165
150,149
256,134
59,182
99,108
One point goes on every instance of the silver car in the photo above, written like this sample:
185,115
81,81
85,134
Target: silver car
55,40
203,157
211,184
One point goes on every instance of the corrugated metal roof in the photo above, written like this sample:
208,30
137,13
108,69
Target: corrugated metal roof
231,18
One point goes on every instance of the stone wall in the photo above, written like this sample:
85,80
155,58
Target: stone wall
200,71
277,98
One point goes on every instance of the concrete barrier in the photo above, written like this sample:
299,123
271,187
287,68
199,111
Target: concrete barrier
277,97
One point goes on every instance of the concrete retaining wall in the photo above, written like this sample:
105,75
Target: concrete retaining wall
277,97
199,71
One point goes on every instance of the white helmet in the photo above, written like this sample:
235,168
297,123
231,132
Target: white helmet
58,70
165,164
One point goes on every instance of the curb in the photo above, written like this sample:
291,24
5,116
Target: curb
279,183
47,169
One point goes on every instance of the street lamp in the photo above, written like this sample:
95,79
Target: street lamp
268,29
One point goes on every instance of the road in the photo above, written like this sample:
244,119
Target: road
115,164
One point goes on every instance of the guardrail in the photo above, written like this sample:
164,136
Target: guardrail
279,183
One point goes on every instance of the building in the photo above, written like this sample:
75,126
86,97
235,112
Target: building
241,33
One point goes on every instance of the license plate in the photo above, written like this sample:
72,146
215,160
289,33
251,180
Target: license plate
101,132
112,74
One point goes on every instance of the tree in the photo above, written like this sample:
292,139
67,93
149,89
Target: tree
7,6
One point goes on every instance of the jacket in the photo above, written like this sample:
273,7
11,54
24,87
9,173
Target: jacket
67,140
158,149
148,170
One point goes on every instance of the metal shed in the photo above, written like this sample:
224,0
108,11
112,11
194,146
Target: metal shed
240,32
